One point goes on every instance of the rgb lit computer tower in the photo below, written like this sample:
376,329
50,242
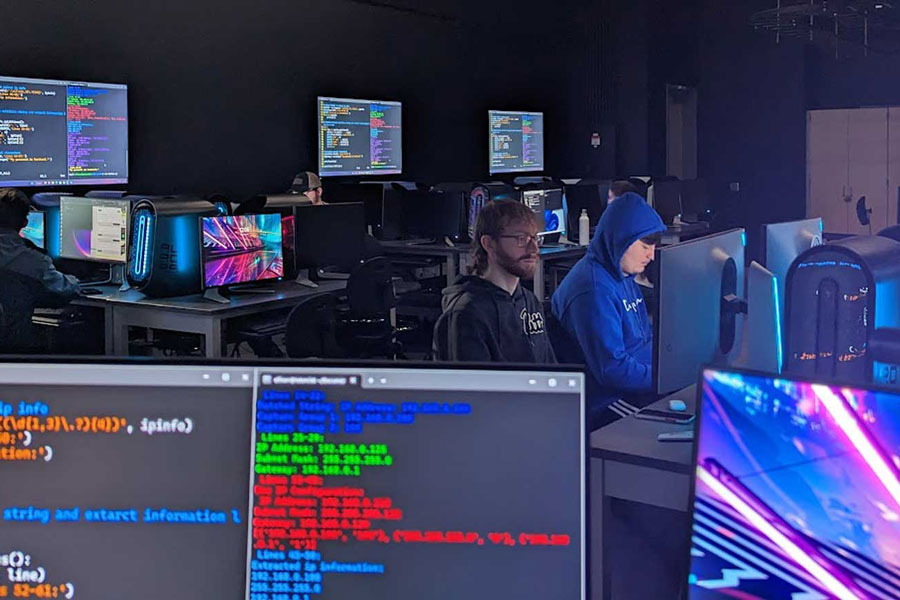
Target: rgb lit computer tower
837,295
164,258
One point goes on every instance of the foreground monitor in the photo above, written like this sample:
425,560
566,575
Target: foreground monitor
516,141
34,230
360,137
797,490
94,229
241,249
56,133
275,482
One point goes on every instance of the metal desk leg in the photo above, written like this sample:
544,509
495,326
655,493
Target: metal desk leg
119,332
539,279
109,337
598,507
452,266
213,336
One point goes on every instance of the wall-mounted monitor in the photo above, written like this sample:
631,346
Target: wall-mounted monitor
516,141
55,133
360,137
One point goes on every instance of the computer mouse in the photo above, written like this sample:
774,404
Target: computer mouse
677,405
90,292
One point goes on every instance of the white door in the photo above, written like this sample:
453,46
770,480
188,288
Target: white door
893,165
868,150
827,167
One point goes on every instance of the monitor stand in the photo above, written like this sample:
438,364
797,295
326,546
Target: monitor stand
214,295
304,280
117,277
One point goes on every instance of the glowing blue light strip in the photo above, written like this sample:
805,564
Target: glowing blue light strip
779,351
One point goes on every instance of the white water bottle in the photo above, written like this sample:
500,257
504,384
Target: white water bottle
584,228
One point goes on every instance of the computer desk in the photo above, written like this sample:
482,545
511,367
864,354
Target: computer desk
455,256
190,314
629,463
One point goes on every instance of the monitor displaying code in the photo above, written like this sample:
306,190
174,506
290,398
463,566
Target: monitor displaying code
516,141
56,133
359,137
257,483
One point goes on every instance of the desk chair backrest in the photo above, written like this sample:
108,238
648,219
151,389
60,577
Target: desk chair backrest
311,328
370,289
18,297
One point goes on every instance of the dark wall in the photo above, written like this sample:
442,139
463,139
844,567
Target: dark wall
752,116
852,81
222,94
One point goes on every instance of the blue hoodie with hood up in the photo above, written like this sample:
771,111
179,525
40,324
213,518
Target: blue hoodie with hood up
600,319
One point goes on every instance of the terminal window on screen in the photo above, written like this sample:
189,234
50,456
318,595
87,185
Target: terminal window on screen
316,485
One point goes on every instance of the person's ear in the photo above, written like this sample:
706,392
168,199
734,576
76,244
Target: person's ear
487,242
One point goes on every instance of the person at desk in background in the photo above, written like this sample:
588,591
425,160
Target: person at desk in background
488,315
308,184
619,188
598,313
28,276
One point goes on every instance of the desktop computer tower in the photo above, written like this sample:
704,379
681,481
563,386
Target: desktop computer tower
164,258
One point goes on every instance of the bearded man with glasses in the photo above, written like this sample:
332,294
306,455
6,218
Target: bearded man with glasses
488,315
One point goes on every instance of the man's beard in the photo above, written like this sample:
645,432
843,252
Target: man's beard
516,266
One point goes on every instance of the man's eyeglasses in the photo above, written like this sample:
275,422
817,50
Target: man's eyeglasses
522,239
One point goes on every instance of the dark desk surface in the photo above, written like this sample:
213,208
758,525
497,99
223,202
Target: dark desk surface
284,293
688,228
634,441
556,251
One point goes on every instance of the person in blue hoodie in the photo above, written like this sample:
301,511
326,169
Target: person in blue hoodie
598,311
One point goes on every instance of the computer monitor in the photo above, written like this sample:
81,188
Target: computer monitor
273,481
695,200
784,242
94,229
548,205
666,199
589,195
360,137
241,249
796,490
516,141
34,230
699,296
434,214
55,132
329,235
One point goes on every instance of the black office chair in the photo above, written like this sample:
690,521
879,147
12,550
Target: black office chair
311,328
18,298
365,327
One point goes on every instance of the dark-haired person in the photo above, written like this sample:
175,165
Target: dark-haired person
598,310
37,282
488,316
308,184
619,188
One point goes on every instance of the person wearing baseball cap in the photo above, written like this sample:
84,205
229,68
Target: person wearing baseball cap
308,184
